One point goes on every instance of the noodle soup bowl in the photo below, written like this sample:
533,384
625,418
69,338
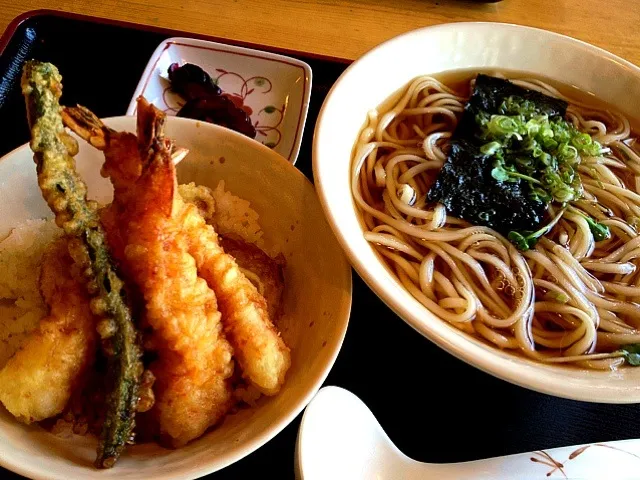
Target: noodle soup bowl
382,75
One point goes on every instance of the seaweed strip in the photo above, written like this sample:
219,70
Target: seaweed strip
465,185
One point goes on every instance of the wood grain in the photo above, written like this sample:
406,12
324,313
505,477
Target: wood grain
348,28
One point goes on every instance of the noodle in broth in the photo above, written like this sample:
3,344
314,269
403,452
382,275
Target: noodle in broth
569,299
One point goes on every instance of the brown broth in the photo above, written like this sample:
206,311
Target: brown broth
459,81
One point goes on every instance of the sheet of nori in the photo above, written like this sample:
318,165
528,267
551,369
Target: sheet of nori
465,185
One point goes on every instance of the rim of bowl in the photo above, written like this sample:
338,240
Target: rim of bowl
334,345
471,351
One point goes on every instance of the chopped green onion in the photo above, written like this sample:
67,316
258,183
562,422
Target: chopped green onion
563,194
599,231
524,177
631,353
567,152
544,152
528,239
500,174
530,146
490,148
501,125
567,173
557,296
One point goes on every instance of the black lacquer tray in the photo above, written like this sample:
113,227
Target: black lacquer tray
433,406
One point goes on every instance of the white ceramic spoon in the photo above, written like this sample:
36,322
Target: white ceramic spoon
339,438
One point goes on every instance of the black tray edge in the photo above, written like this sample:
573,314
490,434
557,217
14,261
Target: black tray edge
17,21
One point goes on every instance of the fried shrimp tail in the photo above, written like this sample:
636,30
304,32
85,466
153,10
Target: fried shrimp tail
65,194
124,151
37,382
123,163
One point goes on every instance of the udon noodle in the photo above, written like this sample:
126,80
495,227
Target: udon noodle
570,299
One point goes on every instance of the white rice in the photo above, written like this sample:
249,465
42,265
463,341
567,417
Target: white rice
228,213
234,215
21,306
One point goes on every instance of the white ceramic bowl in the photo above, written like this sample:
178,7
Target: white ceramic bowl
275,88
390,66
317,302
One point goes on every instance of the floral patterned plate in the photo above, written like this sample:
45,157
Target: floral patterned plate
273,89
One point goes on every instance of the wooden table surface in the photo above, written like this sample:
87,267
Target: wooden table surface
348,28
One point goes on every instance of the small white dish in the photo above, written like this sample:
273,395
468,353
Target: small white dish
274,88
444,48
339,438
316,302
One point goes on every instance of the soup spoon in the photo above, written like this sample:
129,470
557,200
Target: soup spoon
339,438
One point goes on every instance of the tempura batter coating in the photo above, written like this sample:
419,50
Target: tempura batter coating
260,351
262,354
65,193
194,359
263,271
37,382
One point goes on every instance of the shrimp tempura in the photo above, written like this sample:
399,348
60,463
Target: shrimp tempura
194,359
261,353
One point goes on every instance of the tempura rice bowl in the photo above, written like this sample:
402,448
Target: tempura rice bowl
316,301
